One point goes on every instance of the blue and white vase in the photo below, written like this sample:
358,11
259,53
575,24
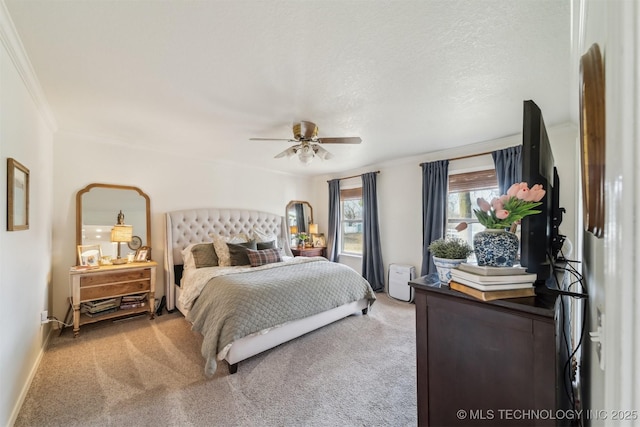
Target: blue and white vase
444,266
496,248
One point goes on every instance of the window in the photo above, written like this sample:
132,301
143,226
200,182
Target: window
351,207
464,190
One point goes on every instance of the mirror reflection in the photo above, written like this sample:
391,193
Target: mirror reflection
299,215
103,208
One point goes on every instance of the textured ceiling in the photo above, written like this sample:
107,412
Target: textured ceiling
408,77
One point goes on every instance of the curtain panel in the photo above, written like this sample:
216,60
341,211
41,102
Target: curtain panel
333,234
301,221
372,266
435,177
508,164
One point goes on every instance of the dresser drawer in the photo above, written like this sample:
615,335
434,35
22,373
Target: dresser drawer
114,289
108,282
114,277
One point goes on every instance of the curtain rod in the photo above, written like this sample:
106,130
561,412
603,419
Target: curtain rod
460,157
352,176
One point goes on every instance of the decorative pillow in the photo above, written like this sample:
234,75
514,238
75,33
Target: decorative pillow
222,250
266,245
238,252
198,255
262,236
262,257
204,255
187,257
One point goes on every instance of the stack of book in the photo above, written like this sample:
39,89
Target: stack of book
133,301
100,307
492,283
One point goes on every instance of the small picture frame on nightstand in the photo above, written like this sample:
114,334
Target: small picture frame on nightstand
89,255
143,254
318,240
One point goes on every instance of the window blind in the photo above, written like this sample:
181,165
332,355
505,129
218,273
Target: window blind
479,180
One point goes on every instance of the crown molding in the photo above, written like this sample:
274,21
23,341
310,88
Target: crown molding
15,49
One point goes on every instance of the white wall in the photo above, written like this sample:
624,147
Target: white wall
173,181
622,184
589,28
400,192
25,264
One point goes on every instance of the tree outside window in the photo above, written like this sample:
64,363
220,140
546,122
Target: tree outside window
464,190
351,206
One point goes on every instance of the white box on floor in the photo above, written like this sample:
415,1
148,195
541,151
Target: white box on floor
399,277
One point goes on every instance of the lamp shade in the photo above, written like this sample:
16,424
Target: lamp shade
313,228
293,229
121,233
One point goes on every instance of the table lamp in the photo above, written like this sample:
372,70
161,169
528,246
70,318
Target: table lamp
313,229
121,234
293,232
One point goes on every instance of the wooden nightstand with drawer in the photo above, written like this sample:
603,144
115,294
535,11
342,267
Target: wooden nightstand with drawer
112,281
308,251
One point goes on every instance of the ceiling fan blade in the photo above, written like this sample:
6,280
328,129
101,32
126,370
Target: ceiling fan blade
307,145
347,140
271,139
291,151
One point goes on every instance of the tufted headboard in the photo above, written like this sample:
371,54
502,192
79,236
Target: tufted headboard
195,225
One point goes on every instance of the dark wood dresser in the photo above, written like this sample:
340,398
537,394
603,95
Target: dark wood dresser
492,363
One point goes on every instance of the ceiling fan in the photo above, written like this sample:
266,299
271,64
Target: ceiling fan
305,135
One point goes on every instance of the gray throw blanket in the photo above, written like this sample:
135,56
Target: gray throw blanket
236,305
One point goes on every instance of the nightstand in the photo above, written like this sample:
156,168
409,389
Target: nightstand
112,281
307,251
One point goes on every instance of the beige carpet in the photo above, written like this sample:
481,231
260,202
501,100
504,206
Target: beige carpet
359,371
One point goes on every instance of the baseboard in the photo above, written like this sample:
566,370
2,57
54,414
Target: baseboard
32,374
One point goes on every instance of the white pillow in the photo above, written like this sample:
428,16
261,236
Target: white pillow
187,257
262,236
222,250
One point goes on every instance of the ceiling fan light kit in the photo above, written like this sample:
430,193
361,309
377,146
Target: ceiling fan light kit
305,135
306,153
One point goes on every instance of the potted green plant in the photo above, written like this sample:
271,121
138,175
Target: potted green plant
449,253
304,239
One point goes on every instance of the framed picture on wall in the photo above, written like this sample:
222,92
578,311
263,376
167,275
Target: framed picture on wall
592,139
17,196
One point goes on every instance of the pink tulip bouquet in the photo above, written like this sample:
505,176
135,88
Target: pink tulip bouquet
507,210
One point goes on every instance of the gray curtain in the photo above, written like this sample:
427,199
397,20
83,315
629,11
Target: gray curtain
508,164
372,267
301,221
333,235
435,180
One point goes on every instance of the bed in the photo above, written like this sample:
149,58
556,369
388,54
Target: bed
245,309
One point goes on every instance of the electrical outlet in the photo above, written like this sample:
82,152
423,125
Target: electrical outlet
44,317
599,330
598,337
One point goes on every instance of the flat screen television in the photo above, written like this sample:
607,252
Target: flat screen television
540,240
